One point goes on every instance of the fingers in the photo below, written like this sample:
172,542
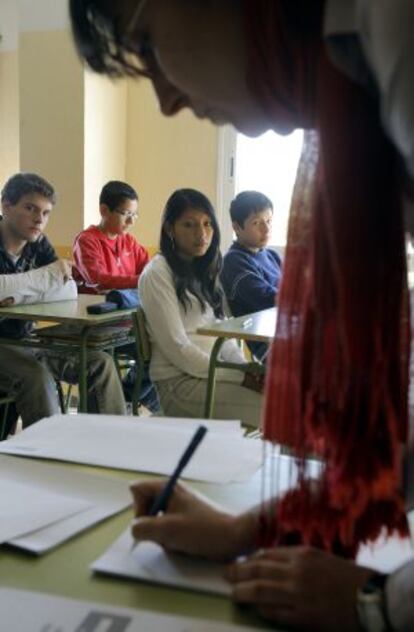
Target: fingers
170,532
262,592
144,494
7,302
256,569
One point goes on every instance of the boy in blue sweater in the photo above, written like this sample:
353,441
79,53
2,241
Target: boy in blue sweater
251,272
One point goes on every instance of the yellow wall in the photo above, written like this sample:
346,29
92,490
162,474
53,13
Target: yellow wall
52,123
105,138
9,115
163,155
80,130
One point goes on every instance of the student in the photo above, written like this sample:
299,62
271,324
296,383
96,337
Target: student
180,292
251,272
26,256
106,256
345,70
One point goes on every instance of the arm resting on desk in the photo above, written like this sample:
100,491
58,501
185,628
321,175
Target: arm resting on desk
32,283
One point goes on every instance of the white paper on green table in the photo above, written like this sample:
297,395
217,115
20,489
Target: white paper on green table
126,443
150,563
25,507
104,495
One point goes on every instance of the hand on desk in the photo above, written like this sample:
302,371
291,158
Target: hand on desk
6,302
300,587
65,267
190,525
254,381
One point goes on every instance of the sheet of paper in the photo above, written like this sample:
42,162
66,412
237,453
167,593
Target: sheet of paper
27,506
150,563
103,497
23,611
131,444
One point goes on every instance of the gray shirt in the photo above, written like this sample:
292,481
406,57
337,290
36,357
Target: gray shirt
383,30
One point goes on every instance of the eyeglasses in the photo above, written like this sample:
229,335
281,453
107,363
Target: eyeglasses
127,214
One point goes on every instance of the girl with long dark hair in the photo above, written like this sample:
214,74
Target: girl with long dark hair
180,292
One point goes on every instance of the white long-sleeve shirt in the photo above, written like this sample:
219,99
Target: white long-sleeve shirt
176,347
32,283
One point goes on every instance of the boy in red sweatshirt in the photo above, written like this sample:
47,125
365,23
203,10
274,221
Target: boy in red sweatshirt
106,256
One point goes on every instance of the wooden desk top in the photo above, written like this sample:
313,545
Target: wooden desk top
65,311
259,326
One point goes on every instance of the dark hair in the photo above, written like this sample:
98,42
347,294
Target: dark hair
99,39
201,276
24,184
115,192
248,203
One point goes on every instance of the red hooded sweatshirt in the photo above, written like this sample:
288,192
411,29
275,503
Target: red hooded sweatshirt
105,264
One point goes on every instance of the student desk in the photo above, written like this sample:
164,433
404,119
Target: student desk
259,327
71,313
64,571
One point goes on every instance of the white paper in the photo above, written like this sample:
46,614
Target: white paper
150,563
27,506
138,445
103,497
23,611
386,554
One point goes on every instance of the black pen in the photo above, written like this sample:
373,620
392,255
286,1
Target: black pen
161,501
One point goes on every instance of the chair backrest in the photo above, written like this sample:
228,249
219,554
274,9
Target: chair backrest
143,340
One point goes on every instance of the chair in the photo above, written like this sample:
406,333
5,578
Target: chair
143,356
5,401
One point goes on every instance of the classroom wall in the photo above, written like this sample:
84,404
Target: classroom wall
51,86
163,155
105,138
9,91
9,115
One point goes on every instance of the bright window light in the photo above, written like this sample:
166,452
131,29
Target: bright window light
268,164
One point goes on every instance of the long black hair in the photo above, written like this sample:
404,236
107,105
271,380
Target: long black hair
99,39
199,277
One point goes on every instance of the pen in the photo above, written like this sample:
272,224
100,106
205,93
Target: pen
161,501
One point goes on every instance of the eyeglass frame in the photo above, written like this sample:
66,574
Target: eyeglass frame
126,214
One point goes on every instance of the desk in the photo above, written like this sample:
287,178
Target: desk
65,570
73,313
259,327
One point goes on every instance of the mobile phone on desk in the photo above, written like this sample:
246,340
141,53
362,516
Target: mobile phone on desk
102,308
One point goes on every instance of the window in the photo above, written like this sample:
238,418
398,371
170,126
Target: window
268,164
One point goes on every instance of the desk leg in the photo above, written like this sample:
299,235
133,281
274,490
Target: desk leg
211,384
140,366
83,388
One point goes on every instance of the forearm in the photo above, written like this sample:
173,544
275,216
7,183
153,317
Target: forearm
33,282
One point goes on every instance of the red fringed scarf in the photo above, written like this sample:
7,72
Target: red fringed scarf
338,373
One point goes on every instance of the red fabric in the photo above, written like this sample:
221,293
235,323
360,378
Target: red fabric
338,372
105,264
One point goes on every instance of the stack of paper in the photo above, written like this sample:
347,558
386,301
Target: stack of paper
141,444
27,507
23,611
43,505
150,563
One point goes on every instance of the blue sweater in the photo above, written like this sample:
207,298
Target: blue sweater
250,281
